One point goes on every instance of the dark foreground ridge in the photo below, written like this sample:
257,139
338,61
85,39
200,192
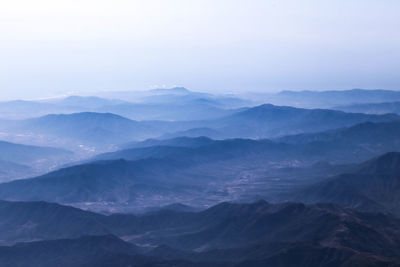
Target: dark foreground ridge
256,234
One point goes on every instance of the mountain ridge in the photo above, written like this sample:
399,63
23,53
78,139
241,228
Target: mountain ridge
373,186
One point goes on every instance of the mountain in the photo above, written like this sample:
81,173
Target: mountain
202,171
176,104
82,251
176,142
292,160
259,233
267,121
161,175
185,110
151,148
329,99
23,109
170,105
194,132
182,104
111,251
306,254
231,226
117,183
27,221
352,144
179,95
11,171
156,152
372,108
373,186
18,161
87,131
156,148
83,129
214,228
28,155
367,132
174,90
91,132
164,104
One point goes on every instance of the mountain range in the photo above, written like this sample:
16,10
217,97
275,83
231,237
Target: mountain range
92,133
229,234
331,98
174,177
78,130
372,186
158,104
267,121
202,171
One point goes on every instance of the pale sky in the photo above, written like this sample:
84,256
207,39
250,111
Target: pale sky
52,47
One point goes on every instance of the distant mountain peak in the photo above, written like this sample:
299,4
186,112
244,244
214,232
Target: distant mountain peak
180,89
86,115
265,106
176,90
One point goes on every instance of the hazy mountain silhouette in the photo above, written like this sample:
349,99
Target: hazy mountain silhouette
195,132
18,161
176,142
345,145
267,121
177,104
11,171
170,105
25,154
329,99
373,108
373,186
356,143
22,109
180,95
91,129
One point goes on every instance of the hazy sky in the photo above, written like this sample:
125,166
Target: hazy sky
49,47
